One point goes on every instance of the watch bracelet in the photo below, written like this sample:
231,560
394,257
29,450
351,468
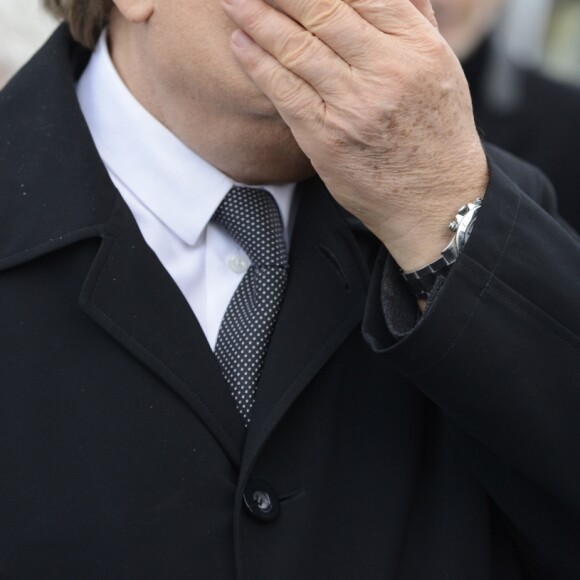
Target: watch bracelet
421,281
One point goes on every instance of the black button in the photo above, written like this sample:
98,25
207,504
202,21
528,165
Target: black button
261,500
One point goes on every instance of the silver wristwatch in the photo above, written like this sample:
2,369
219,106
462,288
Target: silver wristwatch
421,281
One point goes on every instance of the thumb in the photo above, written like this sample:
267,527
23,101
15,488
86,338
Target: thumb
426,9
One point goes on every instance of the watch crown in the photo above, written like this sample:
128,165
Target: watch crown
453,226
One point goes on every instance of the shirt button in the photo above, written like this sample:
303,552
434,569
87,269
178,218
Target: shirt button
238,264
261,500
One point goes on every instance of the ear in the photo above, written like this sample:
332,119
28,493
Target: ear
135,11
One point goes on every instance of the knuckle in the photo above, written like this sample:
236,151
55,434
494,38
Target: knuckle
285,88
343,134
321,12
295,47
253,21
437,46
360,127
401,74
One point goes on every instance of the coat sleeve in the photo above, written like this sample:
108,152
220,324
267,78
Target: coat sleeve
499,353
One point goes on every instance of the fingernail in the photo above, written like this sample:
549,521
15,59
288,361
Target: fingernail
241,39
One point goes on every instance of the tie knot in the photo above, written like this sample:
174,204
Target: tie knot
252,218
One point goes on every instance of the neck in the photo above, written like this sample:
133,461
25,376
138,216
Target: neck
250,150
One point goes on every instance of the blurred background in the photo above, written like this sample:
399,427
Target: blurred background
24,26
539,33
546,34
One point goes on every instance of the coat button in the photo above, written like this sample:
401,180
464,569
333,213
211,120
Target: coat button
261,500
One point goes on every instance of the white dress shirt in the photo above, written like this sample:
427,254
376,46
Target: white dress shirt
171,191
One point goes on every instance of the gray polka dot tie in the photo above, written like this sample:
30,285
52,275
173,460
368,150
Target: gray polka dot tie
252,218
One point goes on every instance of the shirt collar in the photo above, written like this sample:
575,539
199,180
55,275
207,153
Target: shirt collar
174,183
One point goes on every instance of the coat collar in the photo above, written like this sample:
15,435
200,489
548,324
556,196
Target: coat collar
45,143
55,191
46,147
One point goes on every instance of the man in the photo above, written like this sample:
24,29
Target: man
517,108
133,442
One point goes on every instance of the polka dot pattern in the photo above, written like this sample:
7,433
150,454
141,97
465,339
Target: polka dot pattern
252,218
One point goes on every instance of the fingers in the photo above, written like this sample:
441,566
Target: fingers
323,17
326,44
295,99
304,34
337,25
293,46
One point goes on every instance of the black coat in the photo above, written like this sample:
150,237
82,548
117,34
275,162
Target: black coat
532,116
451,454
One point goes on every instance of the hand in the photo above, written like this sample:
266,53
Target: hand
377,100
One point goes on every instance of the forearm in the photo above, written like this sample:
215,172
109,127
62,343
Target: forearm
498,351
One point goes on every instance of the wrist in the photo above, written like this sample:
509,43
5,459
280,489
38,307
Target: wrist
421,280
423,232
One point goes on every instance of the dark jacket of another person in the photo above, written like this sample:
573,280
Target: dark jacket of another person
532,116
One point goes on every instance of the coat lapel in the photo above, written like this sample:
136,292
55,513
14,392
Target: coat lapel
323,304
130,294
67,196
